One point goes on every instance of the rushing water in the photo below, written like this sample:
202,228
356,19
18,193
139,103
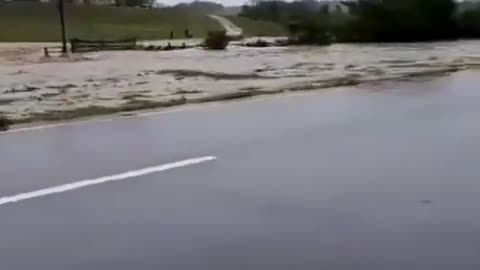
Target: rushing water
30,84
344,180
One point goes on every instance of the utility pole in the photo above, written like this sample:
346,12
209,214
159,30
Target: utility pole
61,10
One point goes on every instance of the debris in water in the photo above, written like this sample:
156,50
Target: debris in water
24,88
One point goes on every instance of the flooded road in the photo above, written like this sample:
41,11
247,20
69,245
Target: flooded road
380,176
31,85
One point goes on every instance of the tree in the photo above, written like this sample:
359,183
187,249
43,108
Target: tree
405,20
469,22
137,3
368,20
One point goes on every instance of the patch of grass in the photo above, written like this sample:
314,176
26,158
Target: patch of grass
427,73
130,105
234,95
253,28
226,96
188,92
141,83
134,96
48,95
182,73
250,88
337,82
35,22
340,82
143,104
62,87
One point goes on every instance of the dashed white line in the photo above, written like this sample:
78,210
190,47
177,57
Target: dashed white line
101,180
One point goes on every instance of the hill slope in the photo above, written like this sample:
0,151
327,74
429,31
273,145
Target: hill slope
40,22
36,22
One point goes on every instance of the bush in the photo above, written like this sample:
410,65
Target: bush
4,123
217,40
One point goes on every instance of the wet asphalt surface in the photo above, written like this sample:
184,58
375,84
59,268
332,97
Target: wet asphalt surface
378,177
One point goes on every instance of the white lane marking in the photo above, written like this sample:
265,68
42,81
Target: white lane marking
105,179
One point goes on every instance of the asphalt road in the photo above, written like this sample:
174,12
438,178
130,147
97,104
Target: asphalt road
379,177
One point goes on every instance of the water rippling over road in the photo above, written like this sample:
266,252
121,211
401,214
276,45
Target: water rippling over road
30,85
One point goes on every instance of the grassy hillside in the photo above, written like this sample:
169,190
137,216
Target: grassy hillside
36,22
257,27
39,22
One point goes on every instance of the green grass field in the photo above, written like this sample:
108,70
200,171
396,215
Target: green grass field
35,22
40,22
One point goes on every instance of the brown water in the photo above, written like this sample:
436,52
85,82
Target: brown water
30,84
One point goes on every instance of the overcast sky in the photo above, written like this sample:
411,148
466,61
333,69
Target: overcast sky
223,2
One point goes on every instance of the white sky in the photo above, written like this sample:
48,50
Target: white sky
223,2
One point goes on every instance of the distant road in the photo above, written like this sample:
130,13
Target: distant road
379,177
230,28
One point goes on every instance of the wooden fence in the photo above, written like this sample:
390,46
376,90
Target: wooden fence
48,51
79,45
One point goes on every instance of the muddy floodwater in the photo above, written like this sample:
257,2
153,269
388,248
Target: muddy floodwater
32,85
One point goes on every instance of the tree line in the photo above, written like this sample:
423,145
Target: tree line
311,21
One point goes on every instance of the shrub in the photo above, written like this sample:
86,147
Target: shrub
217,40
4,123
